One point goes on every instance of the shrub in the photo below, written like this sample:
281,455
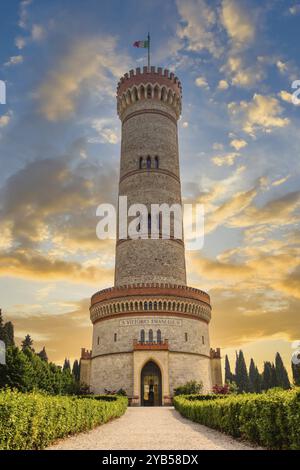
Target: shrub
269,419
188,388
33,420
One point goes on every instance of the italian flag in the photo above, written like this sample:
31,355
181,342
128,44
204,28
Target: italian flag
144,44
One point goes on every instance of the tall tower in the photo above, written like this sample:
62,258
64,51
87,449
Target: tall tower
149,105
150,331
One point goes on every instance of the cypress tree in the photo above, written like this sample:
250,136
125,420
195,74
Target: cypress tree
229,376
76,370
254,378
242,379
282,378
267,376
27,343
66,365
8,333
43,355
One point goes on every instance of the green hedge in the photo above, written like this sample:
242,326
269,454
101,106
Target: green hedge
270,419
34,420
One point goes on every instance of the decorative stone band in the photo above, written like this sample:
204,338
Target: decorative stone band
149,111
150,299
150,170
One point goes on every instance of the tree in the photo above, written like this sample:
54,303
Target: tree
43,355
27,343
8,333
296,373
229,376
18,371
76,370
282,378
267,376
67,365
254,378
241,373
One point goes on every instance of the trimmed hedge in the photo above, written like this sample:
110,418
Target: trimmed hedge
270,419
33,420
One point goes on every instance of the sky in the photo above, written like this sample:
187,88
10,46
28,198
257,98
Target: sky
239,153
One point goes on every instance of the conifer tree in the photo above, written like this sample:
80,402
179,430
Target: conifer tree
76,370
27,343
282,377
267,376
43,355
1,326
254,378
229,377
8,333
241,374
67,365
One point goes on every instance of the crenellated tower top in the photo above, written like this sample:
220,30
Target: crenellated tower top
155,83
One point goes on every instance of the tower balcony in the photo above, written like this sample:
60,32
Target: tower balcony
147,345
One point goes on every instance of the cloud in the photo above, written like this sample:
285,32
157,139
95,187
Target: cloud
240,74
238,144
107,132
295,9
287,97
223,85
38,32
199,20
14,60
30,264
228,159
20,42
63,334
278,212
5,119
201,82
238,22
90,62
280,181
263,113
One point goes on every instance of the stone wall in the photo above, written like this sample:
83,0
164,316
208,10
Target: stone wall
112,372
172,328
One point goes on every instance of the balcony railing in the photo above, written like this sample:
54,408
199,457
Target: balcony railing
142,345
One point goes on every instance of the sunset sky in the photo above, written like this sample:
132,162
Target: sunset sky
239,149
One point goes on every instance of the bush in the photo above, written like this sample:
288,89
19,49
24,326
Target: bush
269,419
33,420
188,388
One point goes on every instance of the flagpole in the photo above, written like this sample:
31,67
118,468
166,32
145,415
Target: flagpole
148,52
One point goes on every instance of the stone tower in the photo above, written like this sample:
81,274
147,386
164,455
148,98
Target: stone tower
150,331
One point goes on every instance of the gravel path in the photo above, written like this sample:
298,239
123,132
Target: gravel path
151,428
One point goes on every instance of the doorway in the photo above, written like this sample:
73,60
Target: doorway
151,385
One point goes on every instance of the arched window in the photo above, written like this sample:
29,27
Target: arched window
203,340
142,336
185,336
151,336
156,162
145,306
150,305
149,91
115,337
158,335
98,340
148,162
141,163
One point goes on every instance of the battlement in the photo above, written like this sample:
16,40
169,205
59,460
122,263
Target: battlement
215,353
154,83
154,74
86,354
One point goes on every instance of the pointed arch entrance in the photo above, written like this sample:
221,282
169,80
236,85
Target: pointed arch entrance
151,385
